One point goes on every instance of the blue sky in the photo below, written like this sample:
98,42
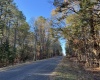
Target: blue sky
35,8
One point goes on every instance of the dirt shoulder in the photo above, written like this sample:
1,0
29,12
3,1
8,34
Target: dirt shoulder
69,69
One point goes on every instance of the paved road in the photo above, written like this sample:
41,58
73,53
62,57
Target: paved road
39,70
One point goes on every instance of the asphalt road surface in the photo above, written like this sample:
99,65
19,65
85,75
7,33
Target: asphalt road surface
39,70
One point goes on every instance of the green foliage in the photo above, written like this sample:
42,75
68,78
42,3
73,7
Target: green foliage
14,33
6,53
17,41
82,31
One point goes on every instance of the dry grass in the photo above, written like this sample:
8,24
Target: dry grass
71,70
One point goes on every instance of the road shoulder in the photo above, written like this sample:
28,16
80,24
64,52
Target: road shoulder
70,70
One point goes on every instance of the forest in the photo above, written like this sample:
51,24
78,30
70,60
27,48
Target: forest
34,50
21,41
78,21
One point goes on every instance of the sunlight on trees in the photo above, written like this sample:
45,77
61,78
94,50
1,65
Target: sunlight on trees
82,30
18,43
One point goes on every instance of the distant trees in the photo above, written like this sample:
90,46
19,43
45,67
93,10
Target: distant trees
82,30
43,39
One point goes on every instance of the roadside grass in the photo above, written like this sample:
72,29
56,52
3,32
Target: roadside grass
70,70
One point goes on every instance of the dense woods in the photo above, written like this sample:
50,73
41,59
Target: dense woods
78,21
18,43
74,22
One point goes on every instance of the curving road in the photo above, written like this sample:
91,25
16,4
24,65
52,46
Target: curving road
39,70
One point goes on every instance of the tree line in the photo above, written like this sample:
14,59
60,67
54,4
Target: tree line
20,43
81,28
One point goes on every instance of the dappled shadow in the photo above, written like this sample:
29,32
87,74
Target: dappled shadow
95,72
